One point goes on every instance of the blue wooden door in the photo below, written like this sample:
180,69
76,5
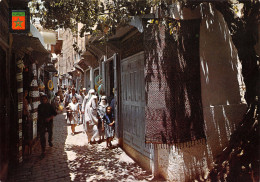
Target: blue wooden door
133,102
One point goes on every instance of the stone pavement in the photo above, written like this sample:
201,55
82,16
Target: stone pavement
72,159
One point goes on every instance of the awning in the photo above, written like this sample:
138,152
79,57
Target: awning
89,59
77,67
35,33
50,68
75,72
82,64
32,44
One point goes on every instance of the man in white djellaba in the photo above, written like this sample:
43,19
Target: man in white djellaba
86,99
89,108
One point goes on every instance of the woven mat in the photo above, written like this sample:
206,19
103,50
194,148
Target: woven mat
174,111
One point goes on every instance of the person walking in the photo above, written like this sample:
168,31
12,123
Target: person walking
109,123
80,101
46,113
101,112
74,94
84,108
92,119
60,94
73,111
67,97
84,90
90,110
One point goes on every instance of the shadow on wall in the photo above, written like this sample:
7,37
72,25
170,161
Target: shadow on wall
222,83
173,91
184,161
174,109
221,70
222,97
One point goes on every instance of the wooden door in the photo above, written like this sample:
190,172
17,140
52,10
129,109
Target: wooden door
133,102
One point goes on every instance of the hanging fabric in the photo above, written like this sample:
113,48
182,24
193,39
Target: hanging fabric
174,112
35,95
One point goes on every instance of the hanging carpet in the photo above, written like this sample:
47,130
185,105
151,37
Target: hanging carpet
174,111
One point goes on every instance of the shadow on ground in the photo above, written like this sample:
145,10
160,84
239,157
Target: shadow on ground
72,159
93,163
53,167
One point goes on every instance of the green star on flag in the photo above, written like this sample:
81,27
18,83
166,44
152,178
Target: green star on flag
18,23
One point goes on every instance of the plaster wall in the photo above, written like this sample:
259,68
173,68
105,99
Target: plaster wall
222,85
81,40
67,50
142,160
222,91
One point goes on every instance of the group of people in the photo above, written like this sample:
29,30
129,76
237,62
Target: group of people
93,112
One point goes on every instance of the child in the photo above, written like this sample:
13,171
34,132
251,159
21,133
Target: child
108,122
101,112
73,111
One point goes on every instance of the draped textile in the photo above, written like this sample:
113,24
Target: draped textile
174,111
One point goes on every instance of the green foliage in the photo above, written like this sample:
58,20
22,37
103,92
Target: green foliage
76,48
98,17
95,15
103,17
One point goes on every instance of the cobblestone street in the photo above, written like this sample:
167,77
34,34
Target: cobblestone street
72,159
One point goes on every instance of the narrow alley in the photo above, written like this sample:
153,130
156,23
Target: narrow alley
72,159
174,84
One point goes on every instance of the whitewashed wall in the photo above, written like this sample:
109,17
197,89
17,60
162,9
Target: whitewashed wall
223,103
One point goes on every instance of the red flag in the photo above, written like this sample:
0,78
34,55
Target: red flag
18,20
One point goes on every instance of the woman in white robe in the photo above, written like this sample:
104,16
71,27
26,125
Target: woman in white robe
91,119
84,108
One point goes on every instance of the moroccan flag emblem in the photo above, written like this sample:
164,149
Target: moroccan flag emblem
18,20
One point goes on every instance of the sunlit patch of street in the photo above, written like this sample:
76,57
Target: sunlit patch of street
73,159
